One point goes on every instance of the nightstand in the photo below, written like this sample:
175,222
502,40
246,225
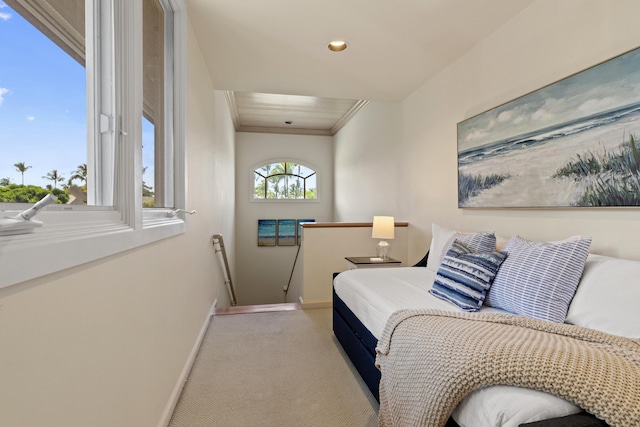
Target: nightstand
354,262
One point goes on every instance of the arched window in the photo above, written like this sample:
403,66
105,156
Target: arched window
284,180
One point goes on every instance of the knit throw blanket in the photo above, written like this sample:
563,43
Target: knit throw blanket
431,359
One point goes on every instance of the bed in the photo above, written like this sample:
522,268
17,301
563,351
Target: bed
363,301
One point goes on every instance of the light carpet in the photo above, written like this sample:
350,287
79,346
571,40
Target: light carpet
274,369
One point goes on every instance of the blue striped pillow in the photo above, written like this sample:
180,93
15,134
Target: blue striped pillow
464,277
539,279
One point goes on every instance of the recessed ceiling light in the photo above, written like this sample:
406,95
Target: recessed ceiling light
337,45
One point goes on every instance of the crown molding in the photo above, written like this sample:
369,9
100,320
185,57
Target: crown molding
340,123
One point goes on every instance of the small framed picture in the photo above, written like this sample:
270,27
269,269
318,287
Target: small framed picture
267,229
286,232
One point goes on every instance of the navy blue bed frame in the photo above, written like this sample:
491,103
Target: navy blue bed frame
357,342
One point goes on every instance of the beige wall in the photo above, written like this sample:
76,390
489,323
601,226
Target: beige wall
269,268
548,41
368,167
104,344
324,252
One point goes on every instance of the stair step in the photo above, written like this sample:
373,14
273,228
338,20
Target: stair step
261,308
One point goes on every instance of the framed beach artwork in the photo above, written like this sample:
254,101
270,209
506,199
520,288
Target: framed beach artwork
267,229
572,143
287,232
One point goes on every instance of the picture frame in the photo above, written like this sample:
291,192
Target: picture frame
287,232
572,143
267,232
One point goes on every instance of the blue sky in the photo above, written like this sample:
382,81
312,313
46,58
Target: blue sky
610,85
43,106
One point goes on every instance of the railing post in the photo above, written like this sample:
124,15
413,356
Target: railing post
217,238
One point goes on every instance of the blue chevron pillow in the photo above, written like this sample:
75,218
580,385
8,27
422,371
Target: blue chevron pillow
464,276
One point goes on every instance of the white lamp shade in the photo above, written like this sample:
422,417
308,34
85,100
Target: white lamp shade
383,227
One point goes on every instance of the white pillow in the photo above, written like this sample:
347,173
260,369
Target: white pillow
442,239
607,297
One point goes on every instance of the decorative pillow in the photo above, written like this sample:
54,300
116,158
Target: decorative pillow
442,239
539,279
464,277
607,298
501,241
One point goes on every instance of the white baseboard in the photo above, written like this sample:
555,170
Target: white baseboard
182,379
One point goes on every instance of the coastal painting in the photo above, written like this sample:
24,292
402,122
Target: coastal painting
575,142
267,229
287,232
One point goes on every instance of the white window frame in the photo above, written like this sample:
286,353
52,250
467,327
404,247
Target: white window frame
74,235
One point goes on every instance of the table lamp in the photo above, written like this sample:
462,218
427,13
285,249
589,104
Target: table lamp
383,229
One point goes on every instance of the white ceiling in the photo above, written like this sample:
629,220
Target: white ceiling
279,46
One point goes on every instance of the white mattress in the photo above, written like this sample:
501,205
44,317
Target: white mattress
374,294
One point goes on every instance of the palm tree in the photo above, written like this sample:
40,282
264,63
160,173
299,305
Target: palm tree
80,174
22,168
55,177
260,188
146,190
277,175
298,188
261,176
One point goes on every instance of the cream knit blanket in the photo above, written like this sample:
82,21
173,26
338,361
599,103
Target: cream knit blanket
431,359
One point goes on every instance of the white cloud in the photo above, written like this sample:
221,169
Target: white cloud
505,116
3,90
541,115
549,111
31,118
475,135
593,106
4,16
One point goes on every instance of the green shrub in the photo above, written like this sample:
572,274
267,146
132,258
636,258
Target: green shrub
15,193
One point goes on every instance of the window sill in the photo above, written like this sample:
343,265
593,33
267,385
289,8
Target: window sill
285,200
61,244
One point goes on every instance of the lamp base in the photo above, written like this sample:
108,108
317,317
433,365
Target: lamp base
382,250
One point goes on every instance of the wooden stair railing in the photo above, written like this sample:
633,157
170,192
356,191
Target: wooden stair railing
217,239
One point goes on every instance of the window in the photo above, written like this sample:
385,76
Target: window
43,101
116,132
157,114
284,180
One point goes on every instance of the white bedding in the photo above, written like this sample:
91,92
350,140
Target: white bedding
374,294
